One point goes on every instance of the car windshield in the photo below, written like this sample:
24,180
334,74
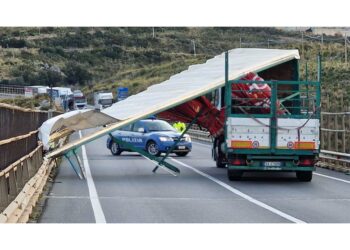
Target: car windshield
157,125
80,100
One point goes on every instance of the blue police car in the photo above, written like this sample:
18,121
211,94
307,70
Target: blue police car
152,135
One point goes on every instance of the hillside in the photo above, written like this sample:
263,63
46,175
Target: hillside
104,58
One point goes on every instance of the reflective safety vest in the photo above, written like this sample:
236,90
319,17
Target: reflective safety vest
179,126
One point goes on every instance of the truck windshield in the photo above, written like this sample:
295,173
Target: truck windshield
105,101
80,100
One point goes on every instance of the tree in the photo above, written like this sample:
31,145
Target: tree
50,75
76,74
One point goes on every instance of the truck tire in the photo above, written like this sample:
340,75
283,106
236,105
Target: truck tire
219,156
304,176
234,175
115,149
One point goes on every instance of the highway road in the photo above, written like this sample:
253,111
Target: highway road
123,189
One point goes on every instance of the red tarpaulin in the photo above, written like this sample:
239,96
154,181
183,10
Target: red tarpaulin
213,119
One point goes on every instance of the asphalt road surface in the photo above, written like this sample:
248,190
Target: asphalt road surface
123,189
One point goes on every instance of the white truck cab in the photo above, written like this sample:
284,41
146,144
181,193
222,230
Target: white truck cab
103,100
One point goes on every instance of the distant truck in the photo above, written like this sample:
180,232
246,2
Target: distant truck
62,96
79,100
122,93
103,100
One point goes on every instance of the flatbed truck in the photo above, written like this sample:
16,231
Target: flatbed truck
282,134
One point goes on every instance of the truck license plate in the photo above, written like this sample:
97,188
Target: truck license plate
272,164
181,147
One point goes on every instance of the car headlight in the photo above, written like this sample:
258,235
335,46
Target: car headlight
164,138
187,138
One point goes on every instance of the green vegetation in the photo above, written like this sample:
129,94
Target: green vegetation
104,58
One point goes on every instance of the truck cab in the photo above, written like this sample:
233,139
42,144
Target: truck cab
79,100
103,100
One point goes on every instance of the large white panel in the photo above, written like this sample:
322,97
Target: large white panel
292,131
257,131
196,81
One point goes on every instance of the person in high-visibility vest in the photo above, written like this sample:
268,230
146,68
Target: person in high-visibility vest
179,126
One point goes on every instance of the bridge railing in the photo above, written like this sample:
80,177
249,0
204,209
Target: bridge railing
15,121
23,172
15,176
14,148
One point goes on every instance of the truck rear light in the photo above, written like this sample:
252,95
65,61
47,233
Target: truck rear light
306,162
238,162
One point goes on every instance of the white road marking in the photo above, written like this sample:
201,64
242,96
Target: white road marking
243,195
95,202
333,178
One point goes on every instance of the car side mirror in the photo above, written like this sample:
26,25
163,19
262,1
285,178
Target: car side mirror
141,130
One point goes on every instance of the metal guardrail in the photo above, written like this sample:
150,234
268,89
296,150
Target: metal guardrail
14,177
23,172
20,209
14,148
200,135
337,156
22,183
7,91
15,121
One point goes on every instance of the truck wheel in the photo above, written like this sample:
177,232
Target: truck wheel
115,149
304,176
234,175
152,148
219,156
181,153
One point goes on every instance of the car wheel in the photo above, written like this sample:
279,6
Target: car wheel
181,153
152,148
115,149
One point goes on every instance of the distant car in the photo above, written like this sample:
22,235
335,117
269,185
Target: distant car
152,135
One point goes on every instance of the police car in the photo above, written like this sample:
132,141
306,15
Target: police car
152,135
